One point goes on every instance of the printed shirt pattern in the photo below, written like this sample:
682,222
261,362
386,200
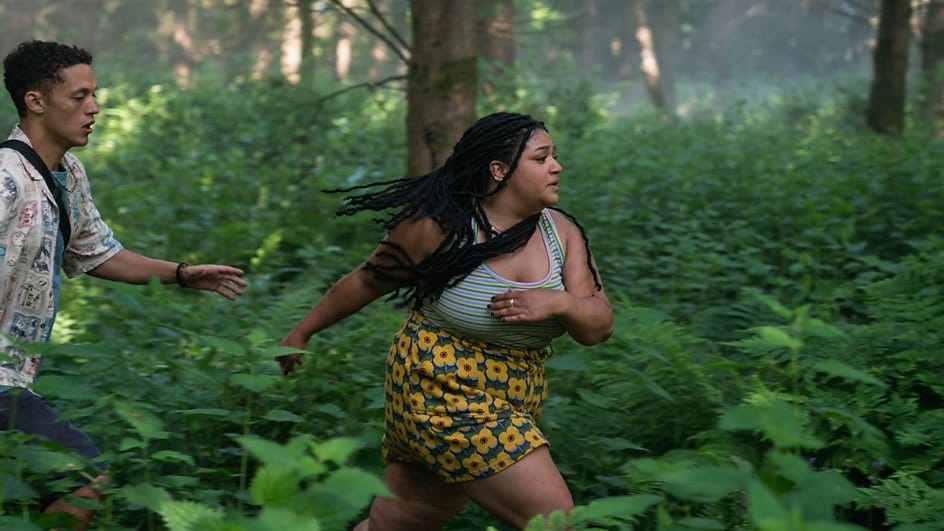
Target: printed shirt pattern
29,229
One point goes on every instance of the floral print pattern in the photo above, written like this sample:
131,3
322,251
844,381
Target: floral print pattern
461,408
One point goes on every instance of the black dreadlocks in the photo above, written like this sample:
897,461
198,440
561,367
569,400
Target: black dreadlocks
452,195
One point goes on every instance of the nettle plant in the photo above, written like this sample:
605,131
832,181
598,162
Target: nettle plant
303,484
836,424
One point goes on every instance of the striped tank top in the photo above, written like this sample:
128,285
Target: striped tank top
463,309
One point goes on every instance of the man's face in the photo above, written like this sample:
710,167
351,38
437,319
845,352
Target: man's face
69,110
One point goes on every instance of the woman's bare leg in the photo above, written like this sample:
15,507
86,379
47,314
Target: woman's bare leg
533,486
424,501
528,488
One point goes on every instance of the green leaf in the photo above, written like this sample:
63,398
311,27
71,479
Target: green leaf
174,481
835,526
269,452
618,443
170,455
934,526
353,487
790,466
858,425
12,489
41,459
280,350
773,337
148,425
128,443
817,328
332,410
782,311
821,492
615,506
66,388
188,516
764,509
572,361
337,449
839,369
706,484
145,495
595,399
280,415
225,345
773,417
17,523
256,383
651,385
700,523
282,519
274,486
208,411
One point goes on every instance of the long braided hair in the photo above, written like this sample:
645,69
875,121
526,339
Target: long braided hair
452,195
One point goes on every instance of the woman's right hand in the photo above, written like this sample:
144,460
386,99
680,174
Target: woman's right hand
287,362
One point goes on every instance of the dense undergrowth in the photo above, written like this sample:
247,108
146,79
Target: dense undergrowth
777,274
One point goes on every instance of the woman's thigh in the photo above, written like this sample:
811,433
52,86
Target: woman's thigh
528,488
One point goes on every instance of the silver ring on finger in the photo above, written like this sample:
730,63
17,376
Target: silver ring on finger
512,302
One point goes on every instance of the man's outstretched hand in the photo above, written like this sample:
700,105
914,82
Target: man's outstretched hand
223,279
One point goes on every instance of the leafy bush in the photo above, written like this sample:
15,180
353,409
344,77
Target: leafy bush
775,275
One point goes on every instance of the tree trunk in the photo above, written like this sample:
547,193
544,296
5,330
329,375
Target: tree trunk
379,52
260,19
291,39
626,62
649,63
344,47
497,31
932,62
306,19
886,109
442,80
496,40
589,39
665,24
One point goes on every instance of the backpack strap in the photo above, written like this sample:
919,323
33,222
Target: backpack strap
27,151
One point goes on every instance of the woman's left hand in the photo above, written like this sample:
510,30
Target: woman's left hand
526,306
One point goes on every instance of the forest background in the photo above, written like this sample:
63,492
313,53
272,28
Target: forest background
760,181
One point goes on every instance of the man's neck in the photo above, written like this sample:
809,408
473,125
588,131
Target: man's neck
47,150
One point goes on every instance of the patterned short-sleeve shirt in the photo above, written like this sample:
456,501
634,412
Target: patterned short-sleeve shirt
29,228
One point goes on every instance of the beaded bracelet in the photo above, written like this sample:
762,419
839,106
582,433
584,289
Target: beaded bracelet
179,274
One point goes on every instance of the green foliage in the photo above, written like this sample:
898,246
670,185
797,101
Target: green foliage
776,276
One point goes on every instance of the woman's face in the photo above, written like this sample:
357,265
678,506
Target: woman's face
535,179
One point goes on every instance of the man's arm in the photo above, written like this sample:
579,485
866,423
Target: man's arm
132,268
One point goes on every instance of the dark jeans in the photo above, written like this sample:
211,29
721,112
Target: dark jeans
25,411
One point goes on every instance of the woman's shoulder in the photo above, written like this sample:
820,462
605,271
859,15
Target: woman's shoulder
422,225
420,236
562,222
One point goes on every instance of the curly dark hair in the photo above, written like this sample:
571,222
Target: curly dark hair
453,195
36,65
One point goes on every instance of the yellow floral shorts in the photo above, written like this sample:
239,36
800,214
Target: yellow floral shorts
461,408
